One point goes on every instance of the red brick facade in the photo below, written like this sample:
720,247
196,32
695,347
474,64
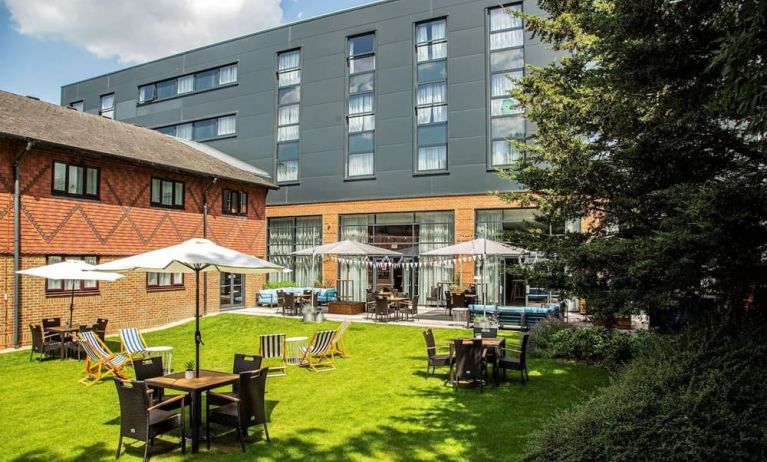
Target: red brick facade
121,222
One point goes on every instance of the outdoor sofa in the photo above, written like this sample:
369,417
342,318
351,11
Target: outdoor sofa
268,297
516,316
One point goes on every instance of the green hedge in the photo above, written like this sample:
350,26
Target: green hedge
697,396
279,284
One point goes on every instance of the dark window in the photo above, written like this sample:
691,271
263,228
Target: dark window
58,286
432,71
167,193
235,202
164,280
75,180
166,89
204,129
361,45
206,80
289,95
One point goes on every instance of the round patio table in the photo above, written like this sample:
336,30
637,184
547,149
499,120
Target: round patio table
166,353
293,347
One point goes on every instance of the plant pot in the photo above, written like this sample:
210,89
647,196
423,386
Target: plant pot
319,317
189,375
308,317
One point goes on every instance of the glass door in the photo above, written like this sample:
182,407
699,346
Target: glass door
232,290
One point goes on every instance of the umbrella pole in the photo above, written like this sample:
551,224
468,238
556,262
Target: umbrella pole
197,336
71,303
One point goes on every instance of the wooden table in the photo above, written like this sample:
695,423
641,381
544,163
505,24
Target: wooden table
396,301
62,330
494,344
207,380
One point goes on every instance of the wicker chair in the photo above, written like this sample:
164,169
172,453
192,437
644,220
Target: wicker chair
42,344
448,303
47,324
433,296
518,363
469,364
370,305
289,305
142,421
410,308
101,327
382,309
242,363
148,368
242,411
434,360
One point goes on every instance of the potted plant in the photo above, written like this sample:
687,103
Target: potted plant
189,370
482,321
319,316
309,313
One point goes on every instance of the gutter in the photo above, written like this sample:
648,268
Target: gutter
17,245
205,236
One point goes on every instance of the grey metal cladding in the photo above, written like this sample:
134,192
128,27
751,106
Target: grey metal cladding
323,103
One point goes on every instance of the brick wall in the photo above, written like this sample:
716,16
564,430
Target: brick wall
120,223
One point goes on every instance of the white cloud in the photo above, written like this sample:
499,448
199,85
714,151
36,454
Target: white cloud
140,30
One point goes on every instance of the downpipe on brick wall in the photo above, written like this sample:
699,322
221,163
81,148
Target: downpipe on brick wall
205,236
17,245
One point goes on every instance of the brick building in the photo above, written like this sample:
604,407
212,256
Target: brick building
98,189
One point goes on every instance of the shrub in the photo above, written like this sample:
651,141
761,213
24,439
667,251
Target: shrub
279,284
690,397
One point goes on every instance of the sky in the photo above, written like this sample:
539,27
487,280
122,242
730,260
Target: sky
45,44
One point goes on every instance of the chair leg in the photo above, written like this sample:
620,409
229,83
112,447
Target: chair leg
146,451
266,432
239,433
119,447
207,424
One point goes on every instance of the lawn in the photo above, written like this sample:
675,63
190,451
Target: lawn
377,405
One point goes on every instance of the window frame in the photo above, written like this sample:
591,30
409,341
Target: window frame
205,119
63,291
194,90
111,109
81,102
175,183
174,285
278,105
240,195
348,153
66,193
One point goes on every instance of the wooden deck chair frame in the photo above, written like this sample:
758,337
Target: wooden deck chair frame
339,346
100,363
318,355
129,350
274,348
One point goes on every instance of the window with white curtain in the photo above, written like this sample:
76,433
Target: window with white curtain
288,115
227,74
227,125
185,84
203,129
506,66
360,158
108,106
286,235
184,131
431,96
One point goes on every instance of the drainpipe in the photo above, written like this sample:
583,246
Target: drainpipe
17,246
205,236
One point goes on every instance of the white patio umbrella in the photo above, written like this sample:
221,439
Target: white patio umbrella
346,248
480,247
193,256
70,270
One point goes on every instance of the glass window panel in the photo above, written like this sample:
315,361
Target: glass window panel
288,60
205,80
286,79
204,129
501,84
243,202
361,142
166,89
185,84
428,135
436,70
287,133
430,52
361,123
361,45
151,279
430,31
59,176
228,200
508,59
432,93
178,197
287,170
360,104
365,64
501,19
289,95
361,83
76,180
184,131
168,130
156,190
227,125
163,279
178,278
507,127
433,114
288,115
504,153
108,101
92,182
110,113
432,158
227,74
167,193
78,106
287,151
146,93
507,39
361,164
505,106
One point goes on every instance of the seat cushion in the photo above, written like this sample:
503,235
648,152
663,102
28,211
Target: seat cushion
509,363
440,360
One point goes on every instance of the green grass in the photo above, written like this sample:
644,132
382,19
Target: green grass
377,405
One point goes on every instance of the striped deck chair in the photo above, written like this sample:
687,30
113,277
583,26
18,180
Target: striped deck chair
272,346
100,362
339,347
319,353
132,343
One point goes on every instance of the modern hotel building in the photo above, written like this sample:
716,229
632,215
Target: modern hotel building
383,123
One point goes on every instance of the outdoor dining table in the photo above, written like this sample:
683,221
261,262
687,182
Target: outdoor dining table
494,345
62,330
396,300
207,380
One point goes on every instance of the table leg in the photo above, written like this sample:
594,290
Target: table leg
62,346
195,420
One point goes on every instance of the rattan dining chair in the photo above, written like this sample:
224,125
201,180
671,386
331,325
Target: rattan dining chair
241,411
